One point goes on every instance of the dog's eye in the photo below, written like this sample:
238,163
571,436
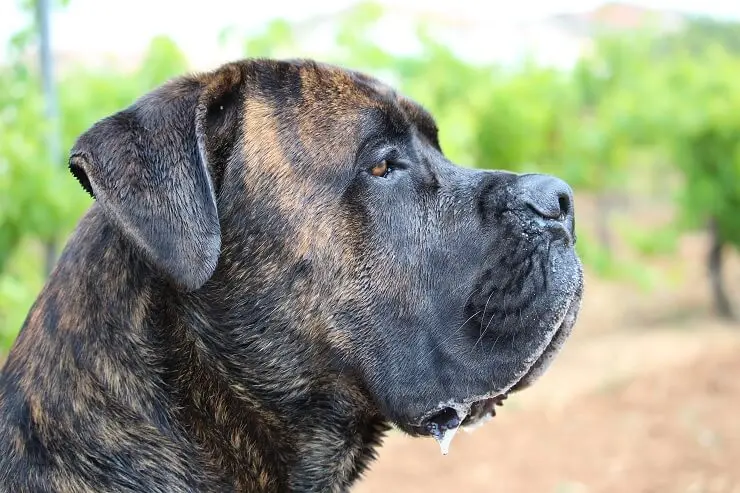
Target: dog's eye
381,169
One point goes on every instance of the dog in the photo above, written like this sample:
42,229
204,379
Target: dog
279,264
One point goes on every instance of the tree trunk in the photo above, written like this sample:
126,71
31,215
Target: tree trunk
53,136
721,302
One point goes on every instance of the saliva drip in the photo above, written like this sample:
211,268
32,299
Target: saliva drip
444,425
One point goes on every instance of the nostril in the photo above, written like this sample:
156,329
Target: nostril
564,203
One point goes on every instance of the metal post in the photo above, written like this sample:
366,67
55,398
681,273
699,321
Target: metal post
53,139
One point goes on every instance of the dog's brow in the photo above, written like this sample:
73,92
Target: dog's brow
421,119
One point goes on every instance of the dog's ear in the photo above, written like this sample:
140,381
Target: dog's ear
148,168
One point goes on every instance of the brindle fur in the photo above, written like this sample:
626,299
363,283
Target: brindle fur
213,322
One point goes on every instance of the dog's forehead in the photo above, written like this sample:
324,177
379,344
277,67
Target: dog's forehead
361,91
349,86
322,88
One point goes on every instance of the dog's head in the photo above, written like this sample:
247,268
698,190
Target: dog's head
319,199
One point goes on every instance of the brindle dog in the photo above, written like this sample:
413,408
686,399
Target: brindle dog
279,264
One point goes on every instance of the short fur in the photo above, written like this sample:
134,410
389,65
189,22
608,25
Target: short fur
245,307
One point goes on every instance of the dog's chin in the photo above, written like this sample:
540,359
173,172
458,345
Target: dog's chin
474,411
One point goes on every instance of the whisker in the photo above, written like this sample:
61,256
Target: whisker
453,333
485,308
497,337
480,339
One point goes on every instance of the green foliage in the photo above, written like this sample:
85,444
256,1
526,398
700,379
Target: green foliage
527,122
707,143
661,241
277,41
604,264
613,87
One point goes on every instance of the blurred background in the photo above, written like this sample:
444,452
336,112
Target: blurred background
636,105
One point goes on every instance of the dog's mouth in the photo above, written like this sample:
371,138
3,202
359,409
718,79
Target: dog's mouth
443,422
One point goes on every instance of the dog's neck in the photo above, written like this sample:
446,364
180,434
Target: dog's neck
258,398
258,391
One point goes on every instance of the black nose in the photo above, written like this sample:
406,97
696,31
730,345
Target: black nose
549,197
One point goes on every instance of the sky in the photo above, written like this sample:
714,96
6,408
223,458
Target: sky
127,26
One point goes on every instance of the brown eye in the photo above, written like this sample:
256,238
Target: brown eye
380,169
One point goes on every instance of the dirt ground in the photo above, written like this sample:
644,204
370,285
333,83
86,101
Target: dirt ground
645,398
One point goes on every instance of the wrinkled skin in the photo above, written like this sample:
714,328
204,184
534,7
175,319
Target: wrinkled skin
286,302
